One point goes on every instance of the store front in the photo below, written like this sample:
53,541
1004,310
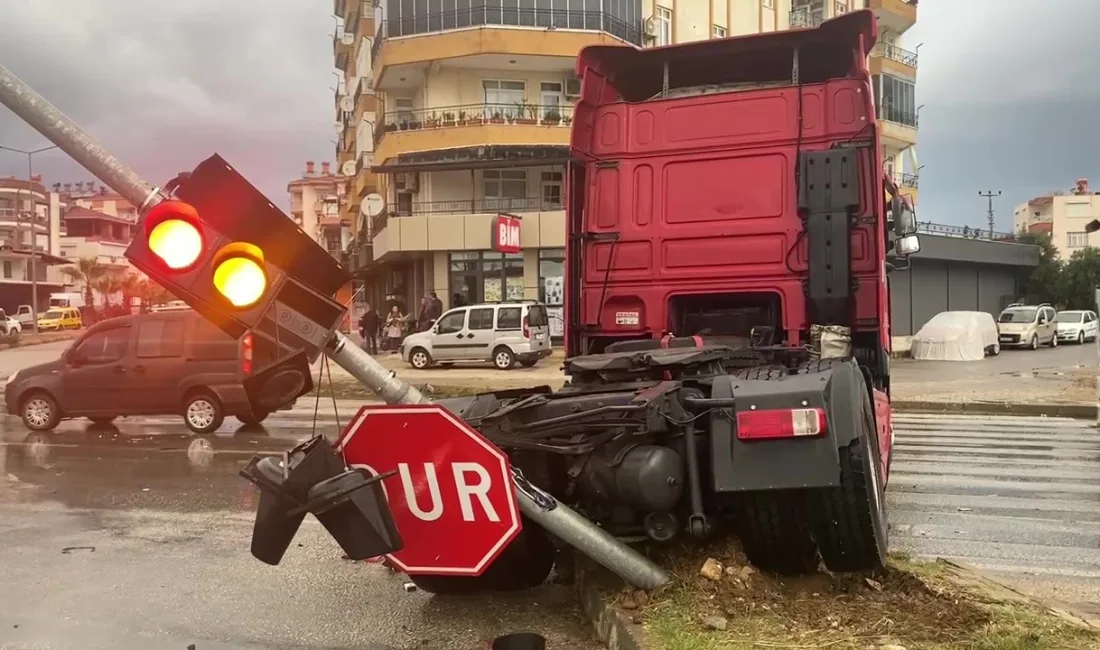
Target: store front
552,289
485,276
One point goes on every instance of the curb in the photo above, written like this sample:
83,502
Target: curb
1076,411
613,628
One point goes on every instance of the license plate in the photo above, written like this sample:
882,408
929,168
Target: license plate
1006,338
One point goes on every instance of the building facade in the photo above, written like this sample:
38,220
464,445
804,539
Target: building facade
472,108
30,219
1063,216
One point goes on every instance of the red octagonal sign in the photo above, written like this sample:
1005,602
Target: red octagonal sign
453,498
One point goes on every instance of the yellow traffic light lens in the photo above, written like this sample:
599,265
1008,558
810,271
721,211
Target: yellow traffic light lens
177,242
241,280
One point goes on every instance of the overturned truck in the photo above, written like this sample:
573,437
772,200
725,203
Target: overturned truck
726,202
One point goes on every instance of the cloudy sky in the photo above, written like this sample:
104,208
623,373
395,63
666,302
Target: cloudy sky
1007,89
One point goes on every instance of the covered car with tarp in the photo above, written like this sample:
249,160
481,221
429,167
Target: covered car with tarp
957,336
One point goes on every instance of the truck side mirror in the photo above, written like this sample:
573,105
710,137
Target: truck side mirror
905,221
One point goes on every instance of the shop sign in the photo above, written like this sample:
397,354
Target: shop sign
505,234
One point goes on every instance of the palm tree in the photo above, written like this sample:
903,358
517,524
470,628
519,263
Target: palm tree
107,286
130,285
86,271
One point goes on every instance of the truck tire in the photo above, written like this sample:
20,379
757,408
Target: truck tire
773,526
524,564
849,521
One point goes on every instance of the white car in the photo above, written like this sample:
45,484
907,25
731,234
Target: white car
1077,326
957,336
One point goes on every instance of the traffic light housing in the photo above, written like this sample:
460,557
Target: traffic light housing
220,246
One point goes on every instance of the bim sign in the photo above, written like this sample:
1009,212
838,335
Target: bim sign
506,234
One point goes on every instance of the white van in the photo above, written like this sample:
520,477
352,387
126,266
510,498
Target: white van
503,333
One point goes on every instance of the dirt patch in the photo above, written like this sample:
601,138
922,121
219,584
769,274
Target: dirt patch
915,606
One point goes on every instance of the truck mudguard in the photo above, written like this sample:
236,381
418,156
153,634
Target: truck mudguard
786,463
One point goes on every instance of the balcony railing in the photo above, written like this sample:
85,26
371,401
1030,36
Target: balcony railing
895,53
964,232
442,117
366,159
906,180
467,206
804,18
20,216
484,15
891,114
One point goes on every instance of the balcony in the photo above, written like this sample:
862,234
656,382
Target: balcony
471,125
365,180
494,32
465,225
894,15
906,180
20,218
804,18
893,60
898,128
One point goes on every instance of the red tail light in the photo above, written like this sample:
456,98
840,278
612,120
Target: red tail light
246,354
526,327
780,423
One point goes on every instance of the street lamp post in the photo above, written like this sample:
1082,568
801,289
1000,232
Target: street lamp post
34,218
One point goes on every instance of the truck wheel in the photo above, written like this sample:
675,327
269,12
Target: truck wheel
850,520
525,564
774,526
775,534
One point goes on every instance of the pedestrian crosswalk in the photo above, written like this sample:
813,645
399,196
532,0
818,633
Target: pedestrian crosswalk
1012,495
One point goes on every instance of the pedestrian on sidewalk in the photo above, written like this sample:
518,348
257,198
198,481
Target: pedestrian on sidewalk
395,326
368,329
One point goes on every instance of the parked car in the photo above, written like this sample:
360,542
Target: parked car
25,316
60,318
9,325
503,333
957,336
147,364
1077,325
1027,326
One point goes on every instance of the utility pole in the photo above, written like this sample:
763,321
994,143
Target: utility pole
34,222
989,194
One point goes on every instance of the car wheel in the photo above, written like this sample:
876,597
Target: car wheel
103,421
1034,343
528,363
40,412
503,358
1053,340
202,413
420,359
1080,338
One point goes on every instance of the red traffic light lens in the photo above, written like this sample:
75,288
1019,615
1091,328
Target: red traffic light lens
173,234
176,242
239,274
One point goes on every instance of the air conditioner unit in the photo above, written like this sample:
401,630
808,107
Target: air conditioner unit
651,27
572,88
347,38
407,182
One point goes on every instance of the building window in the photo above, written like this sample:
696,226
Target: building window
895,99
403,110
552,191
7,270
505,189
664,26
717,31
485,277
768,4
840,7
1077,239
504,98
552,287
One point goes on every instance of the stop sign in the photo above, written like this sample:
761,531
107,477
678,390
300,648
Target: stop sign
453,498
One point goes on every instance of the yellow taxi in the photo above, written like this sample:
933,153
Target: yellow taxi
60,318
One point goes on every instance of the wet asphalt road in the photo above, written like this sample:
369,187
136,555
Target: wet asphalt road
139,540
1019,497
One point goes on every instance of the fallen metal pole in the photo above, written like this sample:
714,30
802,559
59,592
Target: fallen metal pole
538,506
557,518
70,138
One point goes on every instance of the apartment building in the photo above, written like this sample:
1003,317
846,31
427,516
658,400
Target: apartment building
474,103
1063,216
30,219
97,223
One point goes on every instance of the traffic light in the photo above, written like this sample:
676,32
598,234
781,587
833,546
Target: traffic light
220,246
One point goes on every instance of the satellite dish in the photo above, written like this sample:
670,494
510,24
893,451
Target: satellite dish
348,168
347,103
372,204
339,126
